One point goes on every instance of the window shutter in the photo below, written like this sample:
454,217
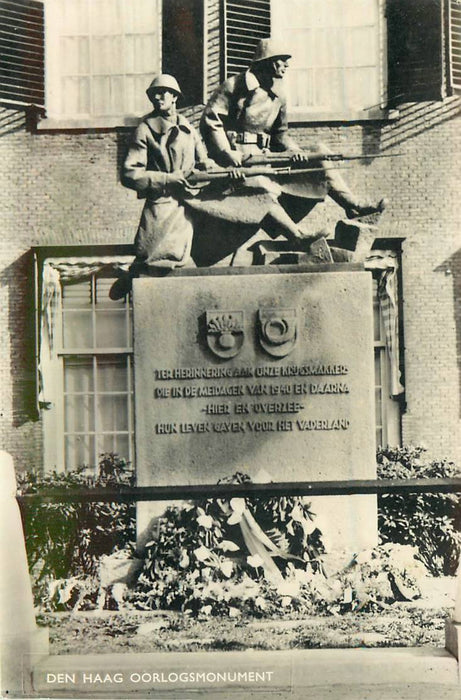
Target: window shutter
22,52
455,45
245,23
415,50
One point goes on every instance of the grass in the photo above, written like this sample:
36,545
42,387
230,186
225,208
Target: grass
403,624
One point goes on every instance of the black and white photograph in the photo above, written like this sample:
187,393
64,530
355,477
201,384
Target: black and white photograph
230,354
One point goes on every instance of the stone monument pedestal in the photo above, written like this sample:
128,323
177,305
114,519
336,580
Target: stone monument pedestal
259,370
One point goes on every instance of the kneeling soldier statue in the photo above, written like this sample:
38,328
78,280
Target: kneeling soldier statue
247,116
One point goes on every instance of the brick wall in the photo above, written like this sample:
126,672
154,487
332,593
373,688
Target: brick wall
63,188
423,187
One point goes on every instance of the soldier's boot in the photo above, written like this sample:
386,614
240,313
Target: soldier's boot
355,207
352,205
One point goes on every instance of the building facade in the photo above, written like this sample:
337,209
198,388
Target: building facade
367,77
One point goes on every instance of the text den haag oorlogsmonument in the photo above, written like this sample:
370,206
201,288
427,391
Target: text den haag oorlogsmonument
259,372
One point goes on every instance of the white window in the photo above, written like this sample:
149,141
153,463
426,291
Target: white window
96,354
86,366
100,56
339,58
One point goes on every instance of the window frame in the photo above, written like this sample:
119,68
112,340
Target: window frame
305,114
53,416
65,353
51,78
300,116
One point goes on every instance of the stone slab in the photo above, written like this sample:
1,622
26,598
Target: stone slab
293,398
290,671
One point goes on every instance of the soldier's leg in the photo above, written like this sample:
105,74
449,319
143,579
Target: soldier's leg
278,222
341,193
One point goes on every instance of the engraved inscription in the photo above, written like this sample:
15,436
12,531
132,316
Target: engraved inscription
279,407
261,414
263,371
338,388
323,424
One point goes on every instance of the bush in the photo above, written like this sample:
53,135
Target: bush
428,521
255,555
65,541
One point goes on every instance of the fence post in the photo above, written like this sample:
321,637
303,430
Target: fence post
21,641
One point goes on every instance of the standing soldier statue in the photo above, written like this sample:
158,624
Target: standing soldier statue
165,149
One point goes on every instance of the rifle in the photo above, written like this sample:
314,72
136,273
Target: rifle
202,177
281,159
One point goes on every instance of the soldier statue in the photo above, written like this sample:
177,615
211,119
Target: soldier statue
246,115
164,150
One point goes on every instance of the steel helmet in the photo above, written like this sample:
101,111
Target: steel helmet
270,48
168,82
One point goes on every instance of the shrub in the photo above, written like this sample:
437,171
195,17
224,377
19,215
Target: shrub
65,541
428,521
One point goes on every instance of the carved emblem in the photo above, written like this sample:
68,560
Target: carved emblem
225,332
277,330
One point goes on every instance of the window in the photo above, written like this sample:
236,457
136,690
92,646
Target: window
338,62
100,57
352,59
96,353
86,364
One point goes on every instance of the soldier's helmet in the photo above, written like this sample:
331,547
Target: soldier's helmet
168,82
270,48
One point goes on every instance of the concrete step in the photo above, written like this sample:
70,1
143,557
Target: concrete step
260,672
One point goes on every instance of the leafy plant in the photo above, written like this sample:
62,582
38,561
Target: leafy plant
65,541
429,521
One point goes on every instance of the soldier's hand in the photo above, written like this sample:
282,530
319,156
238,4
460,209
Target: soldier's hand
299,157
177,177
236,175
232,158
